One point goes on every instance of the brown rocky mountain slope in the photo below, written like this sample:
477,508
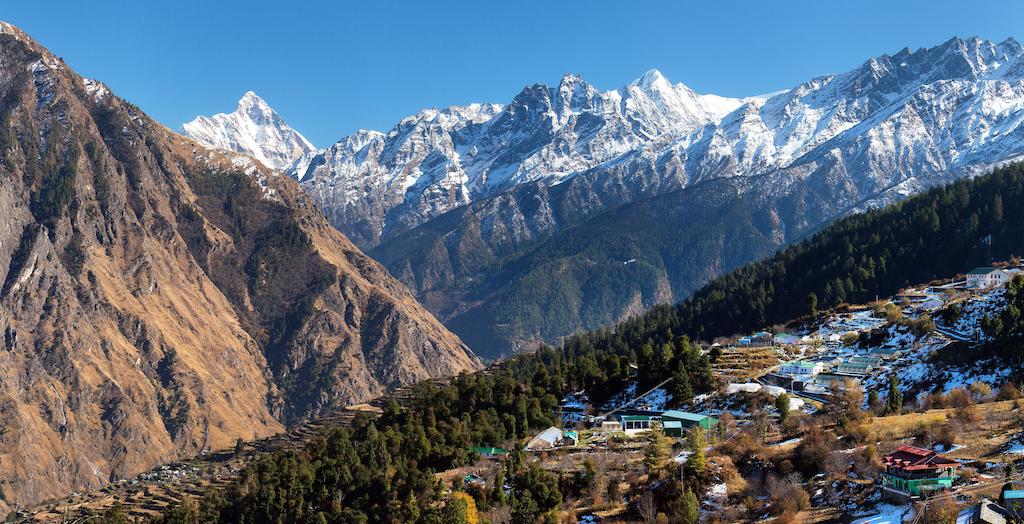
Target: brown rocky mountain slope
158,299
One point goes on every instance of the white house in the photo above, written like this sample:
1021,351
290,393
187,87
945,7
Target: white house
798,368
635,424
986,277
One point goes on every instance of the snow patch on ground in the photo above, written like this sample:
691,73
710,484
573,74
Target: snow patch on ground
886,514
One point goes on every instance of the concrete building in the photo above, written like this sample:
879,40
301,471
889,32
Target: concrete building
987,277
636,424
802,368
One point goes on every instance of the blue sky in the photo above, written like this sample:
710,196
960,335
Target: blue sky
333,67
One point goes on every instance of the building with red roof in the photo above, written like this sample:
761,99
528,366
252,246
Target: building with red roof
911,471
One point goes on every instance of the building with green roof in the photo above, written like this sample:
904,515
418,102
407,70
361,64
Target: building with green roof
675,422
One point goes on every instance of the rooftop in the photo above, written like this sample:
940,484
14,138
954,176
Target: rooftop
913,458
983,270
802,364
683,415
551,434
1013,494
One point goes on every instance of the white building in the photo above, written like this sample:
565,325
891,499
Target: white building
802,368
547,439
986,277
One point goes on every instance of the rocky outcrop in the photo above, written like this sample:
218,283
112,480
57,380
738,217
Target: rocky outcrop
159,299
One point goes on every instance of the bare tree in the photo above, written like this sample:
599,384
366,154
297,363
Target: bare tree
501,515
647,508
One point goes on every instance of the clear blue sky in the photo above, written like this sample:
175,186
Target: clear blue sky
333,67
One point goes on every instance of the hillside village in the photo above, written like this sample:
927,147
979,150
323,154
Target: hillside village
956,436
870,413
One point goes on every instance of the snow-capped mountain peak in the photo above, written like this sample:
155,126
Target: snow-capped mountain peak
896,123
256,108
255,129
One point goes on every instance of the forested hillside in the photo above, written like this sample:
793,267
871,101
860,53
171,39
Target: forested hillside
932,235
382,470
617,265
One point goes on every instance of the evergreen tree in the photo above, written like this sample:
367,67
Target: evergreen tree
894,404
680,386
812,304
688,509
656,453
873,401
695,443
782,404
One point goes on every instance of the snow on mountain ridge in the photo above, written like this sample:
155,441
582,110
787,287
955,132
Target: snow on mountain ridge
436,160
935,111
254,129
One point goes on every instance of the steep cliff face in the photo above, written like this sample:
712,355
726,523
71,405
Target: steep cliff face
158,298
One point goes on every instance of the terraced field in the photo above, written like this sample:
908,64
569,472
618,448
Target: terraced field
152,492
745,363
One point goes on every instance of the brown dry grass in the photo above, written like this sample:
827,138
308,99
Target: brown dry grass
997,422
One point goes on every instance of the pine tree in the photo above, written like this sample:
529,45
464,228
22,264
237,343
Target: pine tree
812,304
689,508
782,404
894,404
680,385
873,400
656,452
695,442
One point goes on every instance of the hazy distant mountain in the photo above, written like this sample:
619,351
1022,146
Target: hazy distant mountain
254,129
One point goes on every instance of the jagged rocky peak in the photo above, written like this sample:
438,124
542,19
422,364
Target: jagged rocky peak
437,160
254,129
257,109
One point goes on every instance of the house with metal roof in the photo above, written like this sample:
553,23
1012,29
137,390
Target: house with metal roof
489,452
675,422
911,472
787,339
547,439
801,368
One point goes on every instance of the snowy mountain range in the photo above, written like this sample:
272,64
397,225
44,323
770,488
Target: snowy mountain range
254,129
476,207
889,124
